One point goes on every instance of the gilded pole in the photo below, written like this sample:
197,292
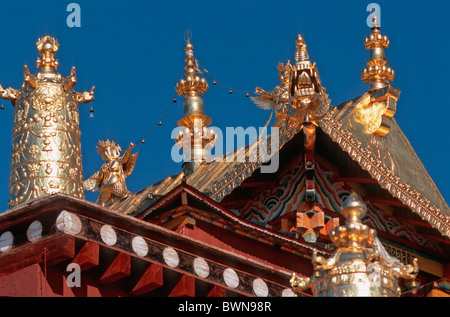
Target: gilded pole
196,139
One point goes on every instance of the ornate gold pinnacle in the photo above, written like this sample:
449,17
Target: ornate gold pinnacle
377,73
47,47
360,266
196,137
192,85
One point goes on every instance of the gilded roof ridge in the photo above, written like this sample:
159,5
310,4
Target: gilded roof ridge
387,176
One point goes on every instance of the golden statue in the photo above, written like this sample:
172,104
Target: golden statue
280,95
110,179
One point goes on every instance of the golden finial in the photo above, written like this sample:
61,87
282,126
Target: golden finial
377,73
301,53
47,47
360,266
196,138
191,85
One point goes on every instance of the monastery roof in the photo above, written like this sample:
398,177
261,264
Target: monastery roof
389,160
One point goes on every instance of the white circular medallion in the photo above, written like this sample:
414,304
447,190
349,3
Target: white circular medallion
260,288
68,223
108,235
34,231
140,247
287,292
6,241
231,278
171,257
201,268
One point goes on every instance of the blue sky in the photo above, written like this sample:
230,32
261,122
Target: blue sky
133,52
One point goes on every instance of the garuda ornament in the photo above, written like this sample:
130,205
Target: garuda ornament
110,179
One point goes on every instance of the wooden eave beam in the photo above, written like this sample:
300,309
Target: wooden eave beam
255,184
359,180
51,250
234,202
413,222
385,202
435,238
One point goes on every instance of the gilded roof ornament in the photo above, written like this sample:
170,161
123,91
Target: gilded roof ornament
196,139
373,109
360,266
300,92
109,181
378,73
47,47
46,148
191,85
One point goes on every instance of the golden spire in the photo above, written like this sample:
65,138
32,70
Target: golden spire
360,266
196,136
300,92
46,149
47,47
377,73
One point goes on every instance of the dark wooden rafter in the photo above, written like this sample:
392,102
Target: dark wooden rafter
309,131
150,280
358,180
388,202
88,256
234,203
49,251
118,269
255,184
185,287
217,291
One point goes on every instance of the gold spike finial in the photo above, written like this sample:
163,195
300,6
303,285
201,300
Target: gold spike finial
47,47
377,73
301,53
360,266
191,85
196,138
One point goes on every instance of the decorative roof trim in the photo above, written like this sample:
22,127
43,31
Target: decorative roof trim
225,213
384,175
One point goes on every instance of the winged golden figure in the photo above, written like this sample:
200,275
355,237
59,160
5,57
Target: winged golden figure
280,95
110,179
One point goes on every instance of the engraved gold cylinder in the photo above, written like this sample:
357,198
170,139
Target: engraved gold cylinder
46,148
